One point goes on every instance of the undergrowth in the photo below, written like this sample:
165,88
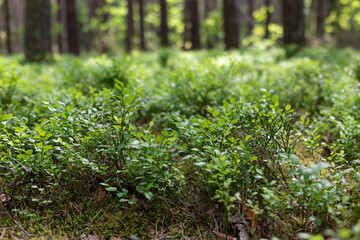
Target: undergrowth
182,144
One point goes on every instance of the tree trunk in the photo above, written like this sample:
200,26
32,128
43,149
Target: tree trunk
164,27
320,18
72,27
195,25
60,22
19,8
37,43
92,6
130,26
187,24
250,13
7,26
210,5
231,24
268,19
293,22
142,25
191,31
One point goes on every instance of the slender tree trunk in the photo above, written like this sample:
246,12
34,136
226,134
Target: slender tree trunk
320,18
210,5
72,27
231,24
187,25
250,13
268,19
92,6
37,43
130,26
105,48
164,30
19,8
293,22
7,26
191,31
60,22
142,25
195,25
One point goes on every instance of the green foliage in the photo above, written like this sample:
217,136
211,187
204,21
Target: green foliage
205,131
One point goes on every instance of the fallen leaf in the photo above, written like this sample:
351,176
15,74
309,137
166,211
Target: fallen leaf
100,194
4,198
243,235
223,236
174,210
250,213
93,237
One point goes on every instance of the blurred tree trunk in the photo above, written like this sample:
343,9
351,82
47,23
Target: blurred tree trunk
7,26
293,22
250,4
320,18
60,20
37,39
191,31
231,24
130,26
72,28
142,25
92,6
210,5
276,16
164,26
19,24
187,25
195,25
268,19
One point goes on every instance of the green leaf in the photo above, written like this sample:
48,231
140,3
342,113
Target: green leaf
140,188
120,194
149,186
148,195
139,89
216,113
68,109
248,137
111,189
275,99
226,105
288,107
6,117
165,133
41,132
19,129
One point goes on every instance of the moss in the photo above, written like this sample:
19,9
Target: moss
112,218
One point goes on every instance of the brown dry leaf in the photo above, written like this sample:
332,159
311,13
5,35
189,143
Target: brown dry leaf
93,237
4,198
250,213
3,233
223,236
243,235
174,210
100,194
